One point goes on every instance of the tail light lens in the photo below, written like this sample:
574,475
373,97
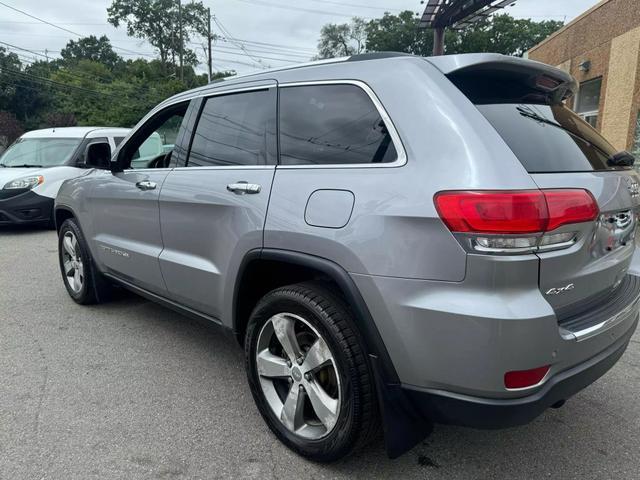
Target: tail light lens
525,216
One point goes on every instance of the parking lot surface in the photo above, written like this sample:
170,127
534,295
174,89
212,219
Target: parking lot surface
133,390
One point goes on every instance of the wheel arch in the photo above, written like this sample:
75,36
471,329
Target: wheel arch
404,426
62,213
294,267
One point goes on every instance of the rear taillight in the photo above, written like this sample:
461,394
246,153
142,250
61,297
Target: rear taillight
515,221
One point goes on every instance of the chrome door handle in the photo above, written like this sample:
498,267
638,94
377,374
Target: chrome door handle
243,187
146,185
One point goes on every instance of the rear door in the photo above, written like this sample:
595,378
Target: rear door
213,207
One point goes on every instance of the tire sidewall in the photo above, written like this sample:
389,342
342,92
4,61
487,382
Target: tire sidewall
83,295
338,442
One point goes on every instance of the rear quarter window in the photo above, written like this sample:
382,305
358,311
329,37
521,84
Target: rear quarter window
332,125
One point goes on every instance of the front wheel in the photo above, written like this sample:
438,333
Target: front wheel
308,372
84,283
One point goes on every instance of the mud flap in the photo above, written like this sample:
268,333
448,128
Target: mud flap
404,427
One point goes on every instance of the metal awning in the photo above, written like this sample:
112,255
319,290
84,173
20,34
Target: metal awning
459,13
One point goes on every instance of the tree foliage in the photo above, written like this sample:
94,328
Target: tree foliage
340,40
91,48
157,22
90,85
501,34
400,33
10,129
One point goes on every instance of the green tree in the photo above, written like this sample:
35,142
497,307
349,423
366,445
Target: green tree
10,67
91,48
339,40
157,22
400,33
10,129
501,34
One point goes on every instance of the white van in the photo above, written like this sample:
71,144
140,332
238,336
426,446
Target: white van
34,166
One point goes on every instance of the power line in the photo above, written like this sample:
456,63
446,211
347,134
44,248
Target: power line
263,58
300,9
46,81
66,29
260,53
34,52
226,32
355,5
272,48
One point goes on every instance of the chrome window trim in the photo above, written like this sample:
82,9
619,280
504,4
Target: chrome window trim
395,137
226,167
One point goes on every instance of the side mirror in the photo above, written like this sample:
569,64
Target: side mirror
98,155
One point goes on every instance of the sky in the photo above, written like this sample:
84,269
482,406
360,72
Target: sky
257,33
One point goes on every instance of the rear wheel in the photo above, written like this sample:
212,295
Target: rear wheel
82,280
308,372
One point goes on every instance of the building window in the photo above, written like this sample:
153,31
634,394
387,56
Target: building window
588,100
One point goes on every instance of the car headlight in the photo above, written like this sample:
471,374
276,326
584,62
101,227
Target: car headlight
24,183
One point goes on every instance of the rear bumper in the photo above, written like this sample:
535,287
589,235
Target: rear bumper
26,208
492,413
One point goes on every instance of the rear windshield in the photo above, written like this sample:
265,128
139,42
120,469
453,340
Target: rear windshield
549,138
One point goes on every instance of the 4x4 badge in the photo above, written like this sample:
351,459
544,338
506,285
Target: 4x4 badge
559,290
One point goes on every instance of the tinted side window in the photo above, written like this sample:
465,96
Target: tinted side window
236,129
117,140
331,124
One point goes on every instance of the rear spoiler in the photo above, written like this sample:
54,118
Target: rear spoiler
533,79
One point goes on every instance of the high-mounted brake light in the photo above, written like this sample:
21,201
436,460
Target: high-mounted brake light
524,215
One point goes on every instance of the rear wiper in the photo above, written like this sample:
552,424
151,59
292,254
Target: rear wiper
526,112
621,159
24,165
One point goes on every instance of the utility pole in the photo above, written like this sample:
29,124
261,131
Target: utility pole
209,63
438,41
181,40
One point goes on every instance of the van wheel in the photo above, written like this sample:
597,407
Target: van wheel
308,372
81,278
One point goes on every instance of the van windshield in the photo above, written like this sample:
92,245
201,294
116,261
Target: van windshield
549,138
39,152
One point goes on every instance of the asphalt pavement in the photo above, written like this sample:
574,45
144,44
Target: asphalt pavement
131,390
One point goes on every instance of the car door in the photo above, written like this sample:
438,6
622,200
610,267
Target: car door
213,208
124,204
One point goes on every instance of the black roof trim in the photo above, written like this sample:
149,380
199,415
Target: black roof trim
376,56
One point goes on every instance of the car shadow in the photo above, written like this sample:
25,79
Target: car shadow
23,229
547,447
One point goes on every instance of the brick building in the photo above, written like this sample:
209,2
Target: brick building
601,48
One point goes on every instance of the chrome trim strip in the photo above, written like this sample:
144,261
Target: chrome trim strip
395,137
602,326
227,167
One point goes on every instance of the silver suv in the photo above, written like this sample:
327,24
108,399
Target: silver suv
395,240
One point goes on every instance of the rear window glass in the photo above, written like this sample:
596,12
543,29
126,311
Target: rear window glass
549,138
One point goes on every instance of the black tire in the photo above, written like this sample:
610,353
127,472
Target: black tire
358,419
95,288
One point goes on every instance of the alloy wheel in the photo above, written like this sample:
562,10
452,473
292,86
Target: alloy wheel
298,375
72,262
